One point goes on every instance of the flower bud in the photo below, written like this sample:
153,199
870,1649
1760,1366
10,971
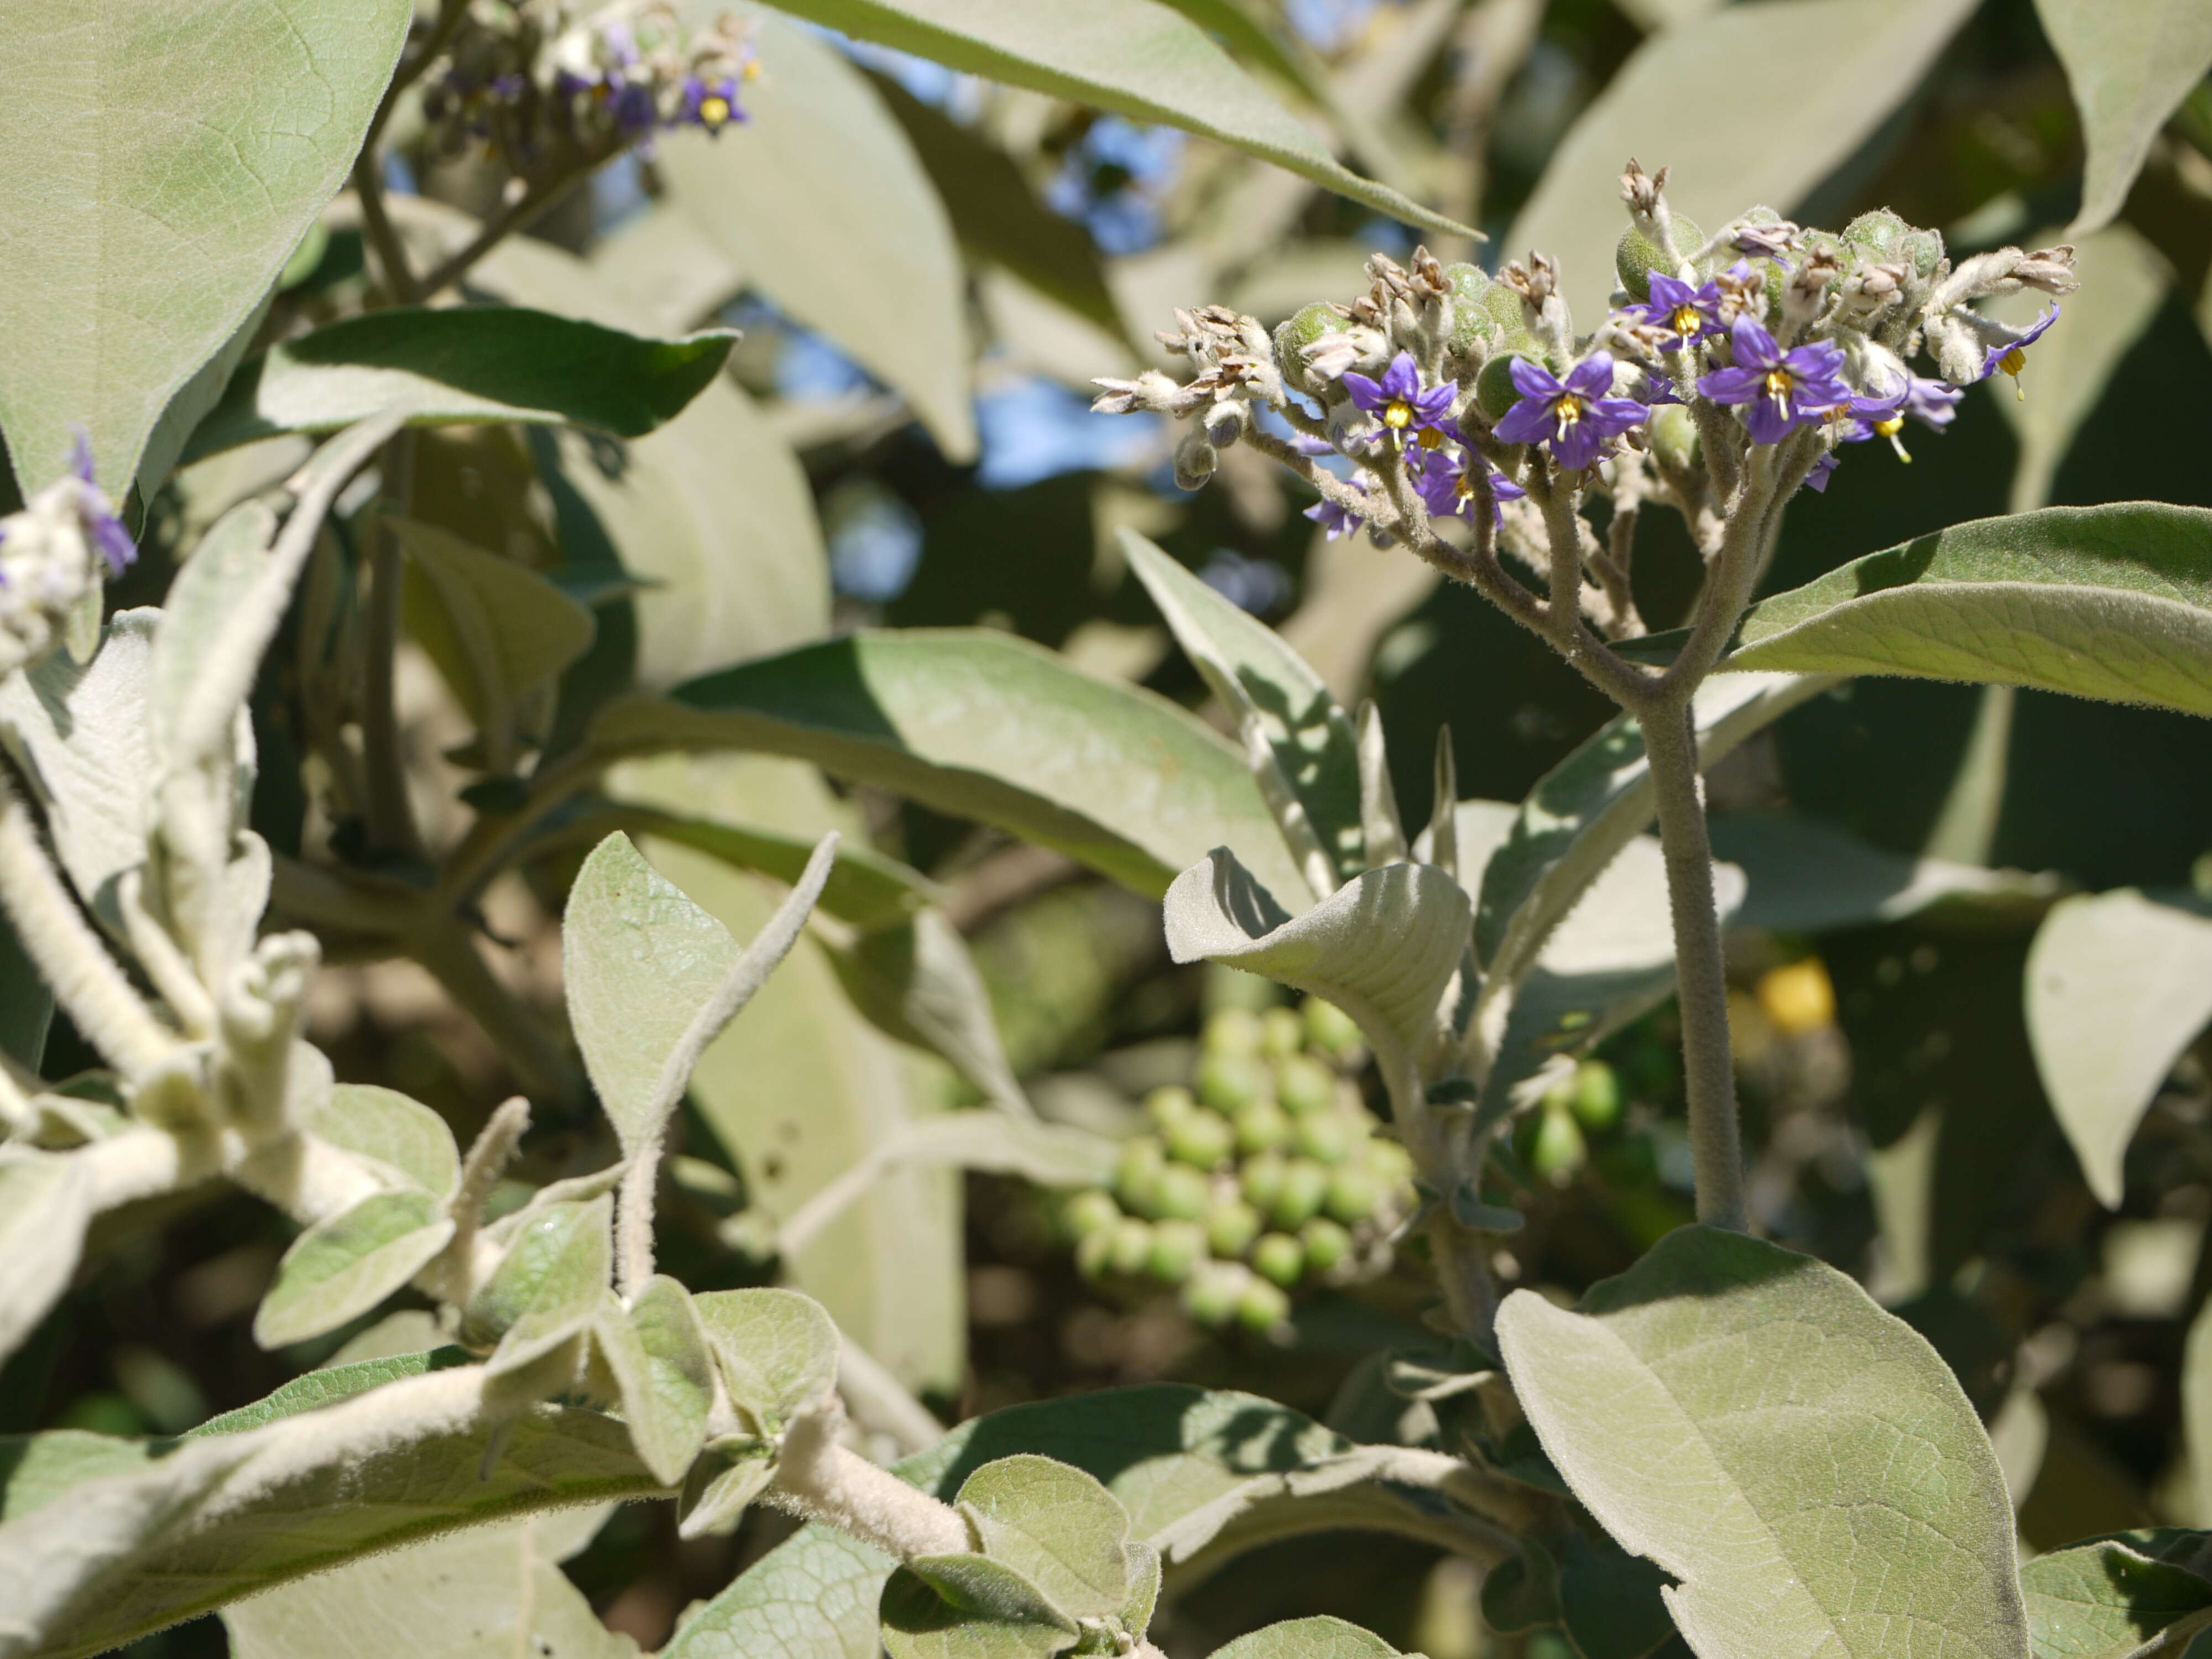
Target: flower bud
1195,460
1278,1256
1224,422
1673,435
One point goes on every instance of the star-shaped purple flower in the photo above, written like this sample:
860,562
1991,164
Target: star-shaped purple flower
1784,390
1689,314
105,529
1398,399
1575,418
1337,520
2013,358
1447,486
711,104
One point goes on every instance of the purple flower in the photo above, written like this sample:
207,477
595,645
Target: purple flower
1336,518
2013,358
634,109
1447,486
1784,390
1690,314
1575,418
711,104
101,524
1398,399
1817,479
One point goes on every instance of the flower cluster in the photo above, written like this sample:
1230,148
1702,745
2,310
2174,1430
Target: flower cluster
1444,388
533,80
52,555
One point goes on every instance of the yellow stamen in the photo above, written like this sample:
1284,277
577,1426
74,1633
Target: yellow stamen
1568,409
1430,437
1398,415
753,70
714,111
2011,362
1685,320
1889,428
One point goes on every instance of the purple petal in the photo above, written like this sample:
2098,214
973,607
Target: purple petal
113,541
1533,380
2037,329
1577,447
80,452
1754,346
1506,489
1768,423
1616,415
1669,292
1932,401
1593,376
1818,359
1732,385
1818,477
1530,421
1433,406
1365,392
1401,379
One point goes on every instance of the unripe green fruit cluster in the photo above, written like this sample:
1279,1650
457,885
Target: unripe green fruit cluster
1264,1174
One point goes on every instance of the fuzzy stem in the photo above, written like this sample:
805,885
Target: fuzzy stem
634,1221
1708,1063
457,1270
820,1478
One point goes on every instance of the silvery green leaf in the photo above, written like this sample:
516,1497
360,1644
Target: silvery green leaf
814,1596
449,367
1807,876
828,212
982,726
405,1331
348,1263
404,1137
493,1592
663,270
79,730
918,982
2107,602
115,187
777,1350
1320,1637
547,1287
1382,948
104,1540
229,561
2113,1597
970,1606
1262,679
658,1356
1800,1461
1134,58
46,1204
192,400
2123,283
1587,808
2130,65
2118,985
1056,1526
723,1481
1145,1574
1817,76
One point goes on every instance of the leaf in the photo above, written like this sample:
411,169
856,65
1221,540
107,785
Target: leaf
79,733
197,615
405,1137
1587,808
1319,1637
2123,283
143,227
720,1485
918,982
45,1204
658,1352
814,1596
460,365
1817,77
777,1351
1803,1463
822,204
1133,56
201,393
2107,1599
2118,985
1807,876
498,630
2130,65
997,215
1056,1526
969,1606
102,1540
1262,679
492,1592
346,1264
2109,602
546,1288
982,726
1382,948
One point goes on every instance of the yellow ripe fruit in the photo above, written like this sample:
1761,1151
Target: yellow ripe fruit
1799,998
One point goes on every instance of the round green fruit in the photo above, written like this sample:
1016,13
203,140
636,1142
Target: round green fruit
1636,256
1094,1254
1597,1094
1327,1244
1262,1307
1304,1085
1559,1150
1169,1105
1136,1176
1261,1178
1876,233
1177,1247
1495,394
1329,1029
1230,1082
1282,1033
1231,1031
1129,1248
1261,1127
1231,1226
1203,1140
1090,1211
1211,1293
1280,1257
1354,1194
1305,1184
1182,1193
1324,1137
1472,327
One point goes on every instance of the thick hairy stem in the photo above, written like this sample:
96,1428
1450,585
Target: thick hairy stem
1753,522
1564,628
817,1477
634,1221
1462,1272
1708,1064
85,980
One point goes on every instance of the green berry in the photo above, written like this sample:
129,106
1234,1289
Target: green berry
1262,1307
1137,1177
1673,436
1597,1094
1392,1163
1282,1034
1329,1029
1094,1253
1327,1245
1354,1193
1204,1140
1129,1249
1169,1106
1090,1211
1324,1137
1261,1127
1182,1193
1473,326
1560,1149
1305,1183
1210,1295
1495,394
1177,1247
1228,1083
1304,1084
1638,256
1231,1226
1876,233
1921,251
1302,330
1504,305
1261,1178
1280,1257
1231,1031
